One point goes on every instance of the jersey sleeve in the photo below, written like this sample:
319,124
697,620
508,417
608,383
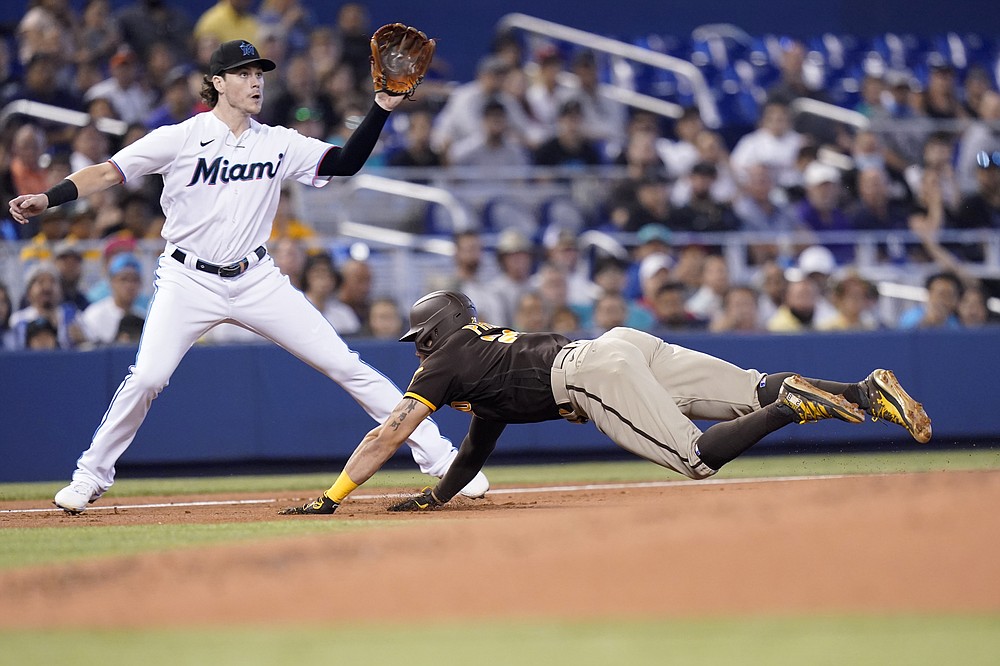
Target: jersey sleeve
152,153
431,384
303,156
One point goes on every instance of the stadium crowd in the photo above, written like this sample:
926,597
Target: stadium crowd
528,106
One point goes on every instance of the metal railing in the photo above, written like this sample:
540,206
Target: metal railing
702,93
56,114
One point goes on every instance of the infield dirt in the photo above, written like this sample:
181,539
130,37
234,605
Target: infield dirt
877,544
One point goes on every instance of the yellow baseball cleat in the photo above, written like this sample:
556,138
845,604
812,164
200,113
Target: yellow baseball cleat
813,404
889,402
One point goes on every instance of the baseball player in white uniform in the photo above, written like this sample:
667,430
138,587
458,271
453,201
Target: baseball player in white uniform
222,174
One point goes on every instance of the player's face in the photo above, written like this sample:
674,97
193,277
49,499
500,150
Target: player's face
244,88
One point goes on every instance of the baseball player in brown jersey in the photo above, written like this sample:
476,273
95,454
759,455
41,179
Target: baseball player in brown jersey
640,391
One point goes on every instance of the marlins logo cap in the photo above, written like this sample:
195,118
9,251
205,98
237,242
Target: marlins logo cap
235,54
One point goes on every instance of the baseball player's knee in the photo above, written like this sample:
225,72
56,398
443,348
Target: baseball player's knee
150,382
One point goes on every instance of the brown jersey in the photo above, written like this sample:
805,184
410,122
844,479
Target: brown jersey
494,372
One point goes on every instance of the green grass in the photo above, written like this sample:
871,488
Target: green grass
25,546
970,640
595,472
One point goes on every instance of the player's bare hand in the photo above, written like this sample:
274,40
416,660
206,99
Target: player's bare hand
27,205
388,102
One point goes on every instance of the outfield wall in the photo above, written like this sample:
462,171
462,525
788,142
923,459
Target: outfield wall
258,403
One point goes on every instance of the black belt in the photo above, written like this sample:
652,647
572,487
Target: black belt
232,270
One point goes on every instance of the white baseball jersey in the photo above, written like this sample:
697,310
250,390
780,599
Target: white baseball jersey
220,192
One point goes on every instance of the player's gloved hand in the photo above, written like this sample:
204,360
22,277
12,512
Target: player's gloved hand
425,501
320,505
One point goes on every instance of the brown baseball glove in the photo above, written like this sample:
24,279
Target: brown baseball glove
400,58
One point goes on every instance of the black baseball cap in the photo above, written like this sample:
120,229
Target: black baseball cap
237,53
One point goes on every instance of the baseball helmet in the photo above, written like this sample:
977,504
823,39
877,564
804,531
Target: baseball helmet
436,316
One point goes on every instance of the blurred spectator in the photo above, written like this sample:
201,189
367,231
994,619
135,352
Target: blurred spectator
817,263
566,322
289,255
46,28
774,144
178,102
569,146
670,313
40,83
461,119
128,93
319,283
688,269
937,156
611,278
129,330
40,335
100,322
6,310
762,207
941,100
680,155
356,287
798,312
495,147
515,87
654,272
27,168
978,81
795,78
69,263
706,303
854,300
298,88
872,90
469,278
739,312
821,210
384,320
642,202
983,135
52,227
944,291
772,286
562,251
90,146
227,20
515,255
97,35
972,310
981,210
703,212
353,34
650,239
147,22
874,209
545,94
44,301
603,119
289,20
529,314
711,149
416,150
610,310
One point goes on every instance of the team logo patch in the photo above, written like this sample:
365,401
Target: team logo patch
248,49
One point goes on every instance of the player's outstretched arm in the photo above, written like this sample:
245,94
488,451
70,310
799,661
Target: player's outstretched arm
83,183
372,453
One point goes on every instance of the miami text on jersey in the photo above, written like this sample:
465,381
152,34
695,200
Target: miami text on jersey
221,169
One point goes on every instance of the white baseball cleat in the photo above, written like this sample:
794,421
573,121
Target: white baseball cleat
75,497
475,489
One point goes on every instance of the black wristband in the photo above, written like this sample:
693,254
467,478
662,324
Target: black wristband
62,192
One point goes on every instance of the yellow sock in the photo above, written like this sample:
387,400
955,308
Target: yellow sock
341,489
